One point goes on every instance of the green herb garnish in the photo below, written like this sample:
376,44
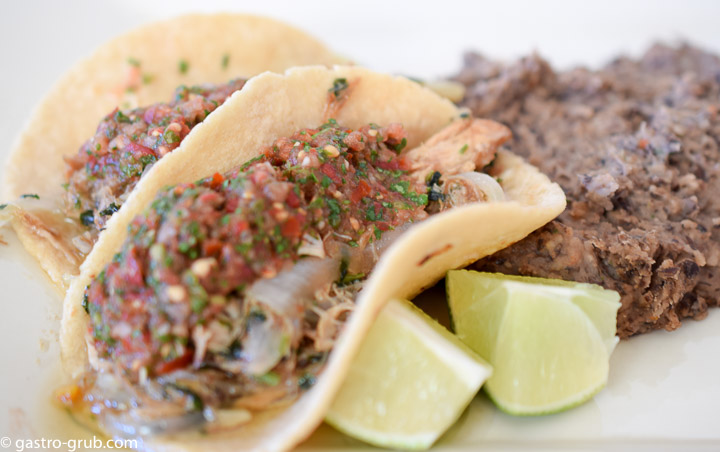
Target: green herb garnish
326,181
402,187
372,215
269,379
197,304
109,210
351,278
87,218
306,382
147,159
417,198
30,195
377,232
121,117
171,137
247,164
335,210
183,66
401,146
194,402
339,85
256,315
433,178
243,248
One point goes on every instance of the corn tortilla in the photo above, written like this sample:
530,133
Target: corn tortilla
273,106
214,49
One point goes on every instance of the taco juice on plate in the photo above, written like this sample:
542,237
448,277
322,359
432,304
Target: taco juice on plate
71,189
222,313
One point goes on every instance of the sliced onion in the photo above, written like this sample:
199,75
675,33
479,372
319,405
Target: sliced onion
481,187
82,244
138,416
228,420
291,288
265,344
285,296
129,425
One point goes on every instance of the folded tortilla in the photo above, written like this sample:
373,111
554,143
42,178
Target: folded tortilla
136,69
273,106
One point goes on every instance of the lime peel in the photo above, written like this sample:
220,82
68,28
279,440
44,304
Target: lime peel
411,381
548,340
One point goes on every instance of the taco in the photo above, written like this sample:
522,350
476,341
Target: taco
222,306
70,189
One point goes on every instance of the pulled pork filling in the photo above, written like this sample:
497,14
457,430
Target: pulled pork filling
107,167
229,292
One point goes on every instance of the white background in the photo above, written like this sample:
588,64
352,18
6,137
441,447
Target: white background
664,388
40,40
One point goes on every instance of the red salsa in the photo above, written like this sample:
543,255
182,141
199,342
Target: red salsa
107,167
191,256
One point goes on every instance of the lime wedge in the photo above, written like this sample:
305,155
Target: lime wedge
549,341
411,380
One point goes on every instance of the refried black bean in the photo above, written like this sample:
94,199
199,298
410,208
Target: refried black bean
635,147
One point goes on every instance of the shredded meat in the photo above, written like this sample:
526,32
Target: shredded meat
209,305
460,147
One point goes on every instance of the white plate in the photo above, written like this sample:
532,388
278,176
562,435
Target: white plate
663,390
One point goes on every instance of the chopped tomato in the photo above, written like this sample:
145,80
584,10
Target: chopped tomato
331,172
165,367
239,227
362,190
68,395
291,228
212,247
217,180
132,268
138,150
292,200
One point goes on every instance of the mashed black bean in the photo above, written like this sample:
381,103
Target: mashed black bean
635,147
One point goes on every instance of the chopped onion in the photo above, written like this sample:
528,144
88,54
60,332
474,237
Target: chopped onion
121,330
312,246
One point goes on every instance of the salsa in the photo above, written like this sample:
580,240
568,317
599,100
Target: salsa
126,143
176,295
230,292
